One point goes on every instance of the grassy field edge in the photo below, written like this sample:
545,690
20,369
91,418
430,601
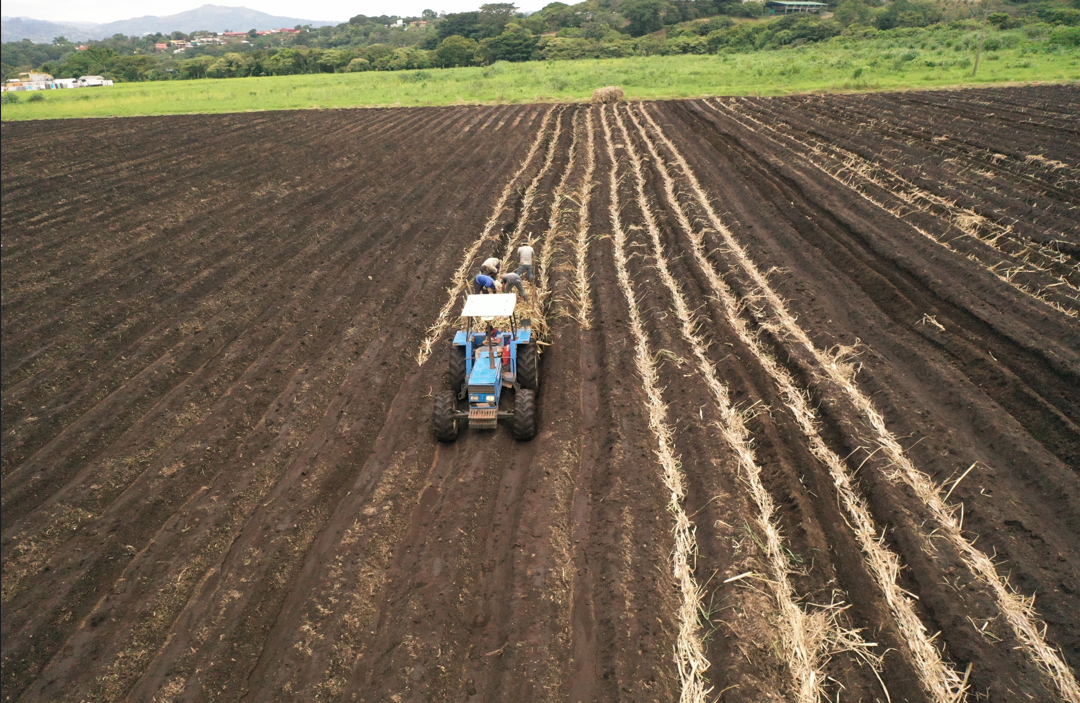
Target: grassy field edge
813,68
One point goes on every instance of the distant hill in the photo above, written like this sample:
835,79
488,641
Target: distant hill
215,18
42,31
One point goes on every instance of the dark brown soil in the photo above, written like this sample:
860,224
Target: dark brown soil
219,475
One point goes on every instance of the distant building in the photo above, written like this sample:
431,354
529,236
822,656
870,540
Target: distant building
161,46
787,7
44,81
288,31
92,81
28,81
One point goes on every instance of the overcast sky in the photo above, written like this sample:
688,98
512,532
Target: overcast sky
323,10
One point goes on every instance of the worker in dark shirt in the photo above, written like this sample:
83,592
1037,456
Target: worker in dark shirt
484,284
510,281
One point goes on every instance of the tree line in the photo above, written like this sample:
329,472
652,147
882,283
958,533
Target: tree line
498,32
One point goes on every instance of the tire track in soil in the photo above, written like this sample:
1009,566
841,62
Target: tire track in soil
315,593
431,382
5,623
130,304
153,351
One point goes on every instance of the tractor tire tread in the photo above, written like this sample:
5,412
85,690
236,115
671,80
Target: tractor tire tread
456,374
528,367
525,415
443,416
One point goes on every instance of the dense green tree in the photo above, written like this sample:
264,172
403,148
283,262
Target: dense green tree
556,16
456,51
195,67
854,12
494,17
515,44
646,16
335,60
463,24
377,52
908,13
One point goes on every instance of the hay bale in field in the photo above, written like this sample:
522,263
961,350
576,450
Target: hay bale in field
609,94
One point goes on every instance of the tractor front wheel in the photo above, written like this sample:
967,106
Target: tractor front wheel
528,369
444,417
525,415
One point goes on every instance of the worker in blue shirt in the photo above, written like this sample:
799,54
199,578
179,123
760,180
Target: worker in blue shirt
484,284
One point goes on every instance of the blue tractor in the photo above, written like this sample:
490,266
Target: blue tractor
484,361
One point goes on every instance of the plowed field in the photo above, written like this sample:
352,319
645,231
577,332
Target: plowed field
809,405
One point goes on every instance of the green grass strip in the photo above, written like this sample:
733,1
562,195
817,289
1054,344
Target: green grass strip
829,66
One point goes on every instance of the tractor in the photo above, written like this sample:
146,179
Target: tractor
484,361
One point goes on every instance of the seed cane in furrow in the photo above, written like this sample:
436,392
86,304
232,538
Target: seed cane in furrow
689,652
529,199
1018,610
581,295
537,306
962,220
807,638
941,682
461,276
988,231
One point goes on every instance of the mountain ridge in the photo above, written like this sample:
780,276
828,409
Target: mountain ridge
214,18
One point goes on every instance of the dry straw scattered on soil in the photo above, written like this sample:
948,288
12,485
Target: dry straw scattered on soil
461,276
807,637
943,683
689,651
966,221
1017,609
581,295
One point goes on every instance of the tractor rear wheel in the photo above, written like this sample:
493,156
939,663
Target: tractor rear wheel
456,375
528,368
444,417
525,415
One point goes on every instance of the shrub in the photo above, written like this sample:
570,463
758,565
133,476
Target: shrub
358,65
745,9
35,98
9,98
615,50
688,45
1066,36
1066,16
